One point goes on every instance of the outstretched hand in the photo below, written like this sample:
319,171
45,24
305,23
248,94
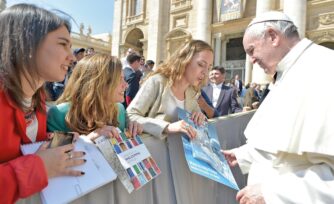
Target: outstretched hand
230,157
108,131
182,127
250,195
198,118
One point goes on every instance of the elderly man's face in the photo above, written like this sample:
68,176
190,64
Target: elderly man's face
263,51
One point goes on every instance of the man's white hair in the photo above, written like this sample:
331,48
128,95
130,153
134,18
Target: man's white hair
272,19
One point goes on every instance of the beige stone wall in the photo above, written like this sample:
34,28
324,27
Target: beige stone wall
2,5
80,40
163,25
320,21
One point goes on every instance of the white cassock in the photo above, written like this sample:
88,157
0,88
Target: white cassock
290,139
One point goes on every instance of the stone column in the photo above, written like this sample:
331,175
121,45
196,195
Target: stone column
218,49
117,28
144,47
154,35
129,8
248,70
258,74
264,5
224,50
296,10
203,20
2,5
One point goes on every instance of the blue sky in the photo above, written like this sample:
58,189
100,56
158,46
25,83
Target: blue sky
96,13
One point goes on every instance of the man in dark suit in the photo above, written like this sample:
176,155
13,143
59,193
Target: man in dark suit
223,98
238,83
132,76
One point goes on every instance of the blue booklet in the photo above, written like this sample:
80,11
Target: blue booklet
203,153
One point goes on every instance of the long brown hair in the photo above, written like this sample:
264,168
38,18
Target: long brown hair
93,78
23,28
176,65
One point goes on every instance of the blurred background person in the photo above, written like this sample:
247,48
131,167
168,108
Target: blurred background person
147,69
124,60
251,98
223,98
132,76
238,84
79,53
90,51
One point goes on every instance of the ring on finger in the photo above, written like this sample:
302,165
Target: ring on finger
70,155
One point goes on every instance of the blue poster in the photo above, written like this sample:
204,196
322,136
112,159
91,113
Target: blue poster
203,153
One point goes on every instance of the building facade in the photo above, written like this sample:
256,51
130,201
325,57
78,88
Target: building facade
2,5
101,42
155,28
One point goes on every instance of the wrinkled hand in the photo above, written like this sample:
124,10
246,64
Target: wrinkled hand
58,160
135,128
108,131
198,118
250,195
230,157
182,127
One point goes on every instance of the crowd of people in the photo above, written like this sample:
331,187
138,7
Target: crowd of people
289,152
55,89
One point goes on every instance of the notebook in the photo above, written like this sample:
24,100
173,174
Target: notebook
65,189
130,158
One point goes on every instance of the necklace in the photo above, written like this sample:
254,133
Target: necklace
28,108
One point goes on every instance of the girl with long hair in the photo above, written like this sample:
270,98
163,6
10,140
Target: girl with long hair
91,104
175,84
35,47
91,101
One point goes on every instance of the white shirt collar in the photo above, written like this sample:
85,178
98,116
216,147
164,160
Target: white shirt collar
219,86
291,57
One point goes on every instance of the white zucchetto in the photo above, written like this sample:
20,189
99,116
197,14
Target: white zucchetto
270,16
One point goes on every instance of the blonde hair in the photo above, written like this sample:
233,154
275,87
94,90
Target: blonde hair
86,92
176,65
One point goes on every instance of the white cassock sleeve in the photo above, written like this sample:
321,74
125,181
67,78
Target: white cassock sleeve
244,157
247,155
309,185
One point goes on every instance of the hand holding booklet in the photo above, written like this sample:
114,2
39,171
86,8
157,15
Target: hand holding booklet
203,153
68,188
130,158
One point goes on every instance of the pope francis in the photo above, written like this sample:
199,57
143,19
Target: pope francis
289,154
